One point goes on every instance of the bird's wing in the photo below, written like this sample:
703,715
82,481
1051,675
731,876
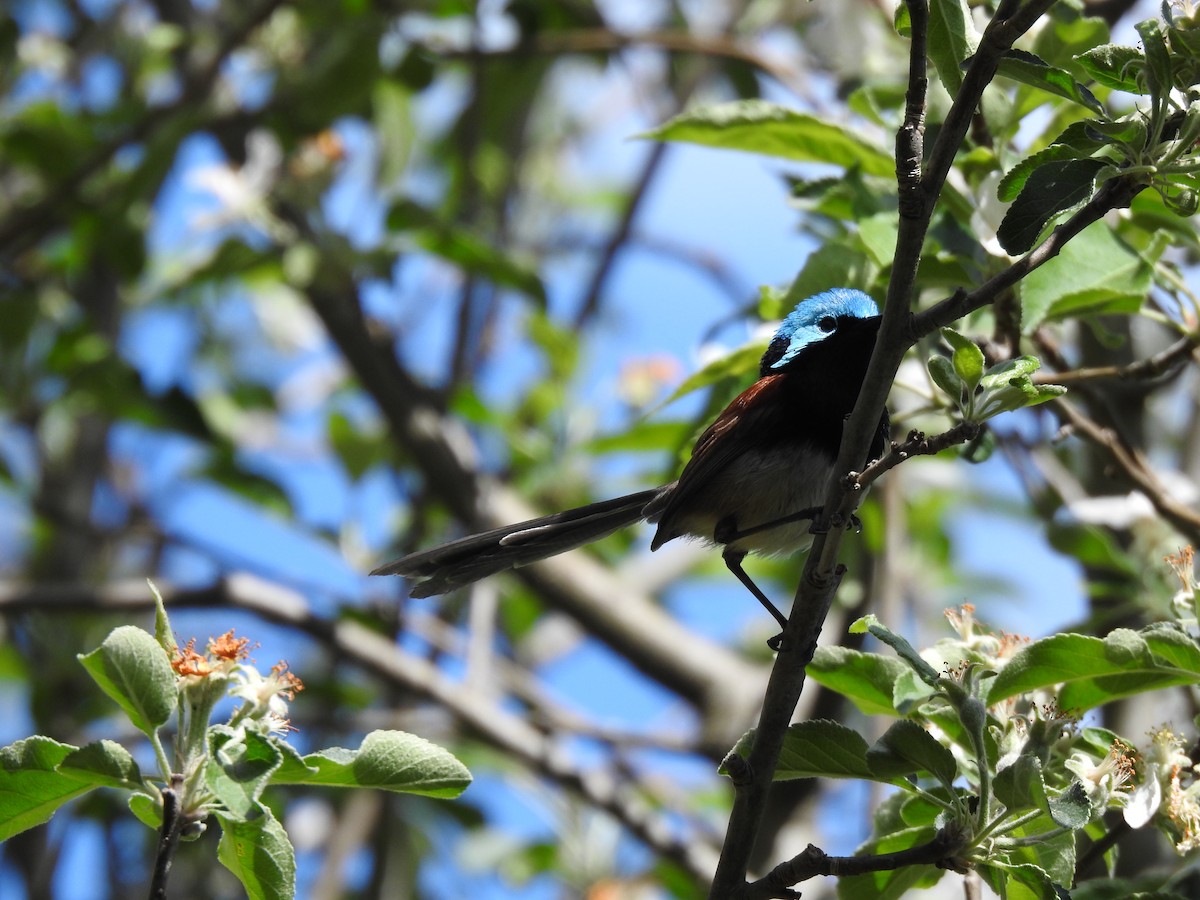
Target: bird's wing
723,441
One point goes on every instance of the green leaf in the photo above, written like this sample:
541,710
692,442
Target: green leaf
393,128
466,250
1046,859
1021,785
865,678
386,760
643,437
1115,66
967,358
821,748
1071,808
31,787
869,623
1096,273
146,810
1026,881
952,39
133,669
909,691
1158,59
103,763
1050,189
257,850
1129,131
941,370
999,375
738,364
835,262
1015,178
357,451
1007,386
758,126
1092,671
878,234
906,749
1172,646
163,633
1021,392
239,767
1027,68
1066,33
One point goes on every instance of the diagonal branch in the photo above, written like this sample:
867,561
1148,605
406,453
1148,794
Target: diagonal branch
1134,465
1166,360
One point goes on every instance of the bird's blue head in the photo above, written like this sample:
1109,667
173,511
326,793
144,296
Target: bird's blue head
814,320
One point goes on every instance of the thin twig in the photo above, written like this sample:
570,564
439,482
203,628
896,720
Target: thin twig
620,235
1150,367
941,851
594,40
916,444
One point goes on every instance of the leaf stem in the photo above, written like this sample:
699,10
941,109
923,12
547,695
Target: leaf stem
1032,840
160,755
1005,823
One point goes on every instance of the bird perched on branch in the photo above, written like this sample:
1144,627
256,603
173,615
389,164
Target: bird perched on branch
756,478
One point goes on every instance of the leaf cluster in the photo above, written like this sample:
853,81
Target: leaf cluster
220,770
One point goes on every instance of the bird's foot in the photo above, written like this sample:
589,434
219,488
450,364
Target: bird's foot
823,528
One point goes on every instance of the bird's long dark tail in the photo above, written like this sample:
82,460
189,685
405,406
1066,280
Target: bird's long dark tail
476,556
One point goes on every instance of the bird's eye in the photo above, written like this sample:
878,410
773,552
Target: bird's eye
827,324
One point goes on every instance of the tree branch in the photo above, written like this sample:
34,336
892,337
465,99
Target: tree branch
940,851
593,40
168,838
1151,367
1134,465
918,193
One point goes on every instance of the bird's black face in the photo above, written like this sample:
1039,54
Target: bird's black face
817,321
781,346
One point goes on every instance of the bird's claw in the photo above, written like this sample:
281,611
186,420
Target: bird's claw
820,528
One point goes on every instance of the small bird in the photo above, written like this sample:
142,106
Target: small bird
756,477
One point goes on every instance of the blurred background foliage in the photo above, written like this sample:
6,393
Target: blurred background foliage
287,288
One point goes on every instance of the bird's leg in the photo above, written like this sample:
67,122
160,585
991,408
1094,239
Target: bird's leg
726,533
733,559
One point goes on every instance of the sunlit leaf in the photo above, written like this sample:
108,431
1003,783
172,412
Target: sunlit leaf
757,126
